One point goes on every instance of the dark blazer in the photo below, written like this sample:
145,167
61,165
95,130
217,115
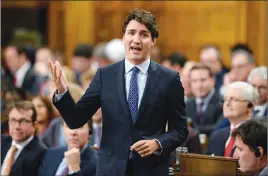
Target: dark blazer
217,141
162,101
29,160
31,82
53,158
212,114
51,137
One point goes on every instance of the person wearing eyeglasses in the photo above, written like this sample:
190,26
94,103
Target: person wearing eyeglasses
238,106
258,79
22,151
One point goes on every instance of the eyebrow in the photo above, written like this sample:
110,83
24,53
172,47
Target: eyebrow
140,31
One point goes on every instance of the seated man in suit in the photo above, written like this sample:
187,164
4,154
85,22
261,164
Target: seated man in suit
21,152
18,62
239,102
205,107
76,159
258,78
251,147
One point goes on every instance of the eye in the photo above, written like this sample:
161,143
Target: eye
131,32
145,35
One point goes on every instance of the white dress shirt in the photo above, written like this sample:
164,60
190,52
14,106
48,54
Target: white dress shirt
21,72
206,100
20,146
142,77
261,109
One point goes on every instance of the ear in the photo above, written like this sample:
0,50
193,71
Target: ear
261,152
153,42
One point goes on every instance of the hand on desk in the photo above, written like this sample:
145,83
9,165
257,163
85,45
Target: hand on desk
145,147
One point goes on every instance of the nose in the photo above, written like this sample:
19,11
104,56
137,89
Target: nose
73,132
136,39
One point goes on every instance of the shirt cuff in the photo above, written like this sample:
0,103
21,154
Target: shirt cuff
159,151
59,96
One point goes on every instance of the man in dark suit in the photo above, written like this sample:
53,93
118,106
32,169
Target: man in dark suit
258,78
17,61
137,97
205,108
77,156
239,101
22,151
251,147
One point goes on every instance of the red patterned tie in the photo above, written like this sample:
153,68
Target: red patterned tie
229,147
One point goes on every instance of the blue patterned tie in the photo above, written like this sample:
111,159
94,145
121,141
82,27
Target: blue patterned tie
133,97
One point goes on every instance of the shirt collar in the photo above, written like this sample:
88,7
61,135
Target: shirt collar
21,145
206,99
24,68
261,107
143,66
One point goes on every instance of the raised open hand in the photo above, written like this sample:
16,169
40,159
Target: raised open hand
58,76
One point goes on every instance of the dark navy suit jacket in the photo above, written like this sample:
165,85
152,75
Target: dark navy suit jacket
54,157
162,102
29,160
217,141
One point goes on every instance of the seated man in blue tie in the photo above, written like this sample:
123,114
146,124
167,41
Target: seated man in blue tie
77,159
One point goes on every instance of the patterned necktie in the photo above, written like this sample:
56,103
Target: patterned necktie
10,160
133,96
200,112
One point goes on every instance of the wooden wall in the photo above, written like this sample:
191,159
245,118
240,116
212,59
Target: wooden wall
184,25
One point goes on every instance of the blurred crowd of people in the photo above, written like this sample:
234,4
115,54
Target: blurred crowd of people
218,101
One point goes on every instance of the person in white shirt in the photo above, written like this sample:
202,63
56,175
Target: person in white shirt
258,79
22,151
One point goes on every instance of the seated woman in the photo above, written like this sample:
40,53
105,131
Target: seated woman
45,113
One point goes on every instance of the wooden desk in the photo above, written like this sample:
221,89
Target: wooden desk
205,165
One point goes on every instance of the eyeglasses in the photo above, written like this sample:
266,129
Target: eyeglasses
232,99
261,87
22,122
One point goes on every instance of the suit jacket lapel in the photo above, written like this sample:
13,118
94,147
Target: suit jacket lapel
5,148
152,79
121,90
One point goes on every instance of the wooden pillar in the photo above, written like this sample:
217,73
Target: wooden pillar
79,25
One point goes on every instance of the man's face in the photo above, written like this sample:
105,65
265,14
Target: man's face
12,59
80,64
201,83
77,138
234,105
137,42
240,67
261,86
209,58
246,158
41,65
21,126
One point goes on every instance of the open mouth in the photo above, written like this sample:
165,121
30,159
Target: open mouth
136,49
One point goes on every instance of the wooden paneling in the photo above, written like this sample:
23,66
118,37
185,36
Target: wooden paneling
184,25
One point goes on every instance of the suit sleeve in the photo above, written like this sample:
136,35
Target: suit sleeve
177,125
77,114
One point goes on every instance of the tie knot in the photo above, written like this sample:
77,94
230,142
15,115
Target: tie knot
135,70
14,149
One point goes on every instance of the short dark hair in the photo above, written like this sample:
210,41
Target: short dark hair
144,17
243,48
177,58
23,105
202,67
83,50
253,133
